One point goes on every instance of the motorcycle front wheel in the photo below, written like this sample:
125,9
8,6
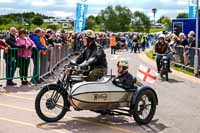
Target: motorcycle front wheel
51,105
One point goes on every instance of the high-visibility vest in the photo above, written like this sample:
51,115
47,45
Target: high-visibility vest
43,42
113,41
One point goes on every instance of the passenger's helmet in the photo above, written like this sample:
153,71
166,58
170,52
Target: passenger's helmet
123,63
89,34
161,36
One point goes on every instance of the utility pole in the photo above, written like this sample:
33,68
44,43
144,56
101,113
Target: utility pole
196,57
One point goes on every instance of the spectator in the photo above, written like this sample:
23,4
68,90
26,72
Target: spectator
70,41
191,39
43,55
24,54
182,40
135,44
190,51
5,47
63,37
35,56
50,36
113,44
10,56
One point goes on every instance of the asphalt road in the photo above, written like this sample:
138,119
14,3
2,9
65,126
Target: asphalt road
178,110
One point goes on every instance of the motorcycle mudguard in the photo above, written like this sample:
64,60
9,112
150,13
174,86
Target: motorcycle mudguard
134,98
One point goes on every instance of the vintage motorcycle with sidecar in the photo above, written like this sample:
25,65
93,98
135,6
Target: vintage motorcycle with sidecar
102,96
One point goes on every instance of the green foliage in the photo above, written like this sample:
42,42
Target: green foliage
141,22
153,30
150,54
116,18
19,20
166,21
90,22
182,15
53,27
37,20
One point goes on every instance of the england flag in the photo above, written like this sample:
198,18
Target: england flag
147,74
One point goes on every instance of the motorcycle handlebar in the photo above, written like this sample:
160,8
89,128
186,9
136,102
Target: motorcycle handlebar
164,54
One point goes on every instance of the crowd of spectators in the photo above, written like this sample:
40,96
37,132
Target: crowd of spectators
35,45
20,46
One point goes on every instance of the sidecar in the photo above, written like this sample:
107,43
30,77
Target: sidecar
104,97
101,96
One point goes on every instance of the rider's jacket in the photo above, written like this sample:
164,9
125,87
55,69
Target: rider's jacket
161,48
93,56
124,81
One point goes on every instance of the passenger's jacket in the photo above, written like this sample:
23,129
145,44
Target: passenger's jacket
124,81
93,57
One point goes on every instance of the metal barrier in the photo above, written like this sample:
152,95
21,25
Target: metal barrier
185,57
14,59
13,66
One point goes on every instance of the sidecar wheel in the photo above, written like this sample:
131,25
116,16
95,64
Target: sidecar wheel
145,107
54,107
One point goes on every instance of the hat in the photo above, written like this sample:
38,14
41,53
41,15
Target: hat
89,33
38,30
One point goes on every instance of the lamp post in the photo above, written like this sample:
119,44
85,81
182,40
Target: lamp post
154,10
196,64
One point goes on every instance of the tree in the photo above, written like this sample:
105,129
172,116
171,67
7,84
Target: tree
98,19
141,22
166,21
53,27
37,20
182,15
116,19
90,22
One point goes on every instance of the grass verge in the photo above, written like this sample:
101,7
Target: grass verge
175,67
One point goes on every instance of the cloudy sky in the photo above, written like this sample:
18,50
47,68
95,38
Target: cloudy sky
63,8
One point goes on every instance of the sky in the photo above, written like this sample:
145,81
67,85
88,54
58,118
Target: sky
66,8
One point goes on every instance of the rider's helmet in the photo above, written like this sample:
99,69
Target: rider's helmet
89,34
161,36
123,63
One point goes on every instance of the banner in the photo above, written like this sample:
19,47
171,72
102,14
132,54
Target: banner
192,8
81,12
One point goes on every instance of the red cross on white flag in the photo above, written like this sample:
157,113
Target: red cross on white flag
147,74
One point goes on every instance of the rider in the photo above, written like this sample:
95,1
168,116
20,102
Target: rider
92,57
162,47
125,79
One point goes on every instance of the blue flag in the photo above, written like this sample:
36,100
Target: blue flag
81,12
192,9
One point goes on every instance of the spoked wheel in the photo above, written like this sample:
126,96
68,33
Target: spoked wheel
50,104
145,107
